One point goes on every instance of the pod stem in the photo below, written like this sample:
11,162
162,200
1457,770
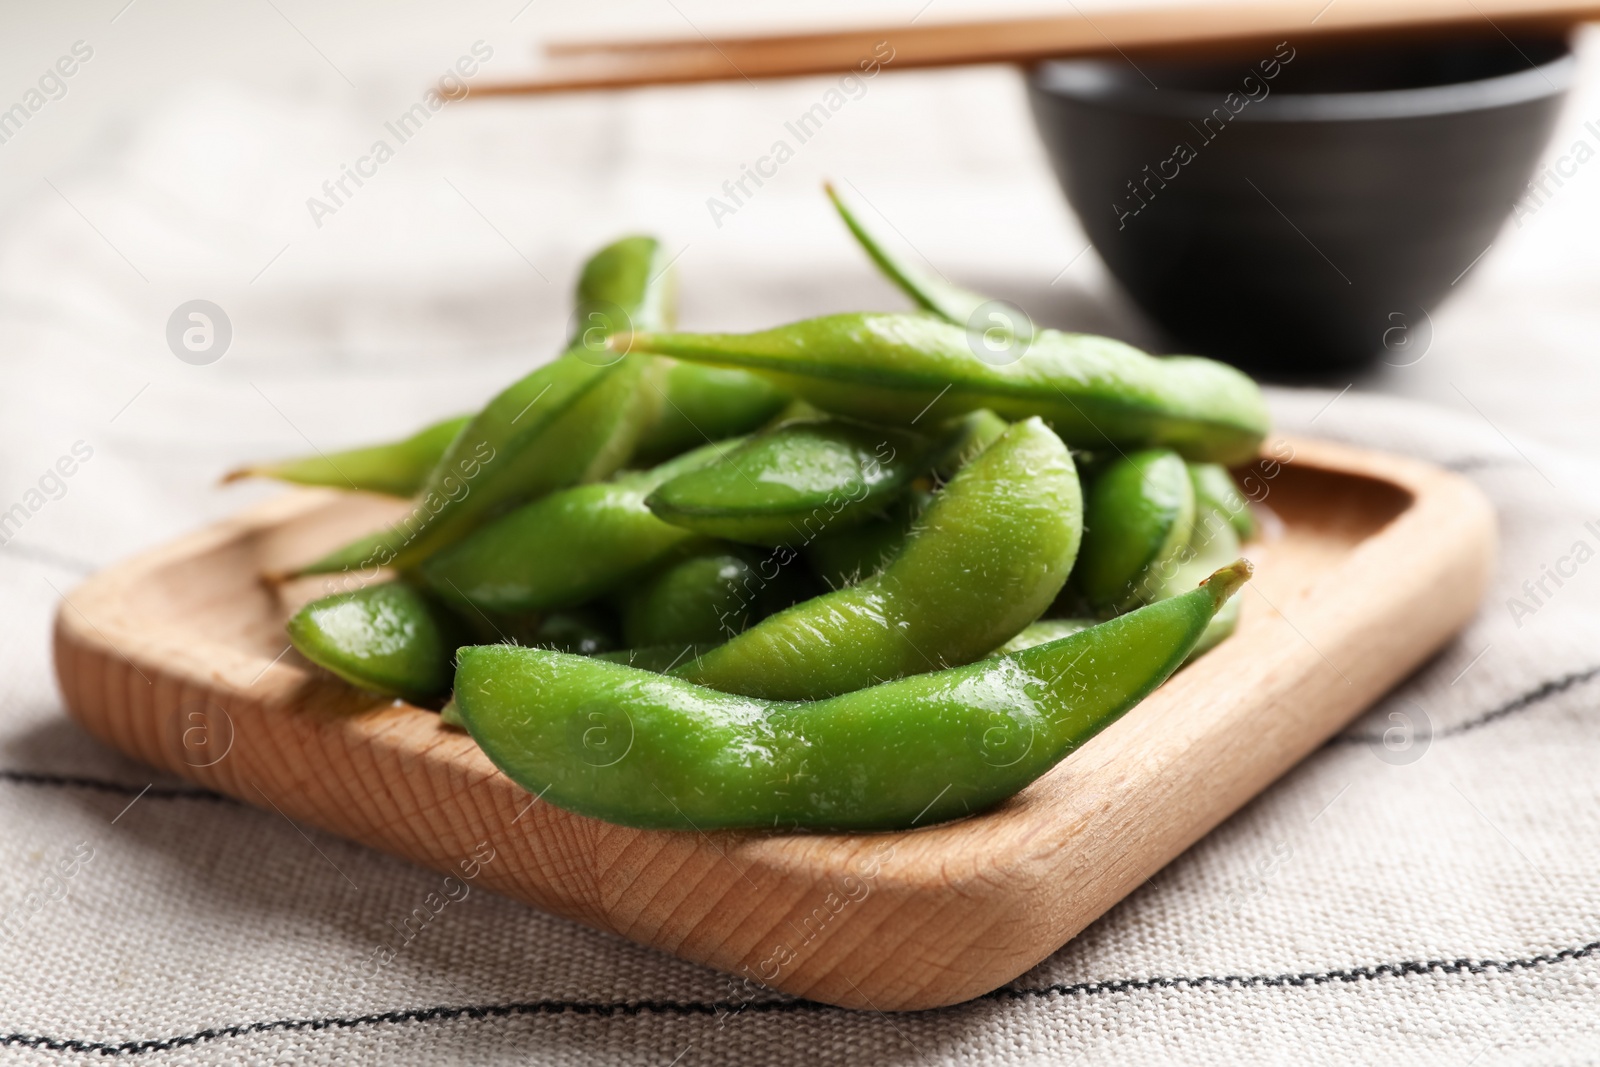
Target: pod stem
1226,581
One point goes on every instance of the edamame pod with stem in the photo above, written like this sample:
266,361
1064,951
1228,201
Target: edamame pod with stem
400,468
573,420
903,368
950,302
396,468
654,751
695,404
565,548
568,422
986,559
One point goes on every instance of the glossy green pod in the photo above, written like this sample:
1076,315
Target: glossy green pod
576,419
700,404
1214,488
986,558
965,437
1213,540
386,638
950,302
395,468
696,404
901,368
627,285
1221,627
657,658
650,750
846,557
794,482
711,595
566,548
698,600
583,632
568,422
1043,632
1137,518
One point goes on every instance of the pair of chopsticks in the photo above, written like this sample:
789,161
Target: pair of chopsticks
614,64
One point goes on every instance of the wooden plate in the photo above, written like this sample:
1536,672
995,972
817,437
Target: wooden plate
178,658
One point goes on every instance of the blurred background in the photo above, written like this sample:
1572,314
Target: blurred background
187,154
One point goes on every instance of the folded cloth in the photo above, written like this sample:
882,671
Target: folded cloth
1425,886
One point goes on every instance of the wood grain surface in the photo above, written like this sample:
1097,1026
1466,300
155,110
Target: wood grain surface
1370,564
1163,26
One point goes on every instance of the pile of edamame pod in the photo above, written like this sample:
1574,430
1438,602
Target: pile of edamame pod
856,572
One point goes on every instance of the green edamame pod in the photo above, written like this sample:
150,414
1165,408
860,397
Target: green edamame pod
1221,627
968,436
573,420
1214,488
627,285
1043,632
651,750
846,557
700,404
1095,392
711,596
657,658
385,638
584,632
1212,538
1137,518
699,600
697,404
787,485
397,468
986,559
950,302
566,423
566,548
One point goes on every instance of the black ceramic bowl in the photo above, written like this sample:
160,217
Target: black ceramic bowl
1307,207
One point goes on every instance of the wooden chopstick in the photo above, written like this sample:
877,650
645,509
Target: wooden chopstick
608,64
